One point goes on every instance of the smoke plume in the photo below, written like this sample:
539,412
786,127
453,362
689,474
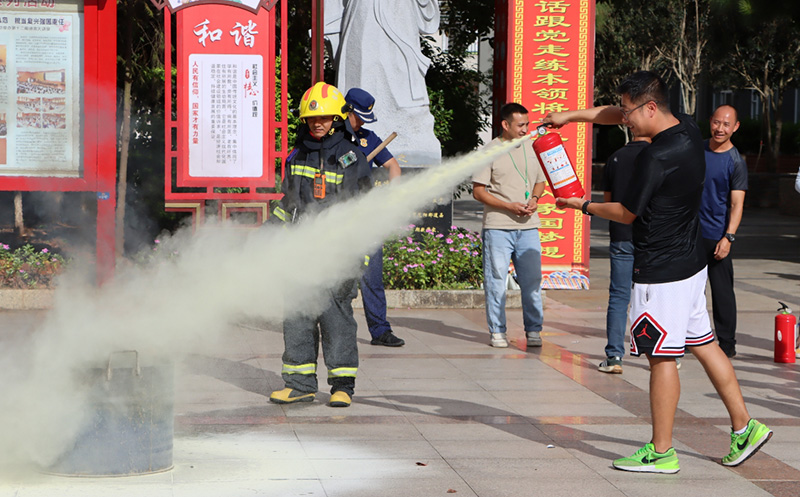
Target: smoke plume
188,298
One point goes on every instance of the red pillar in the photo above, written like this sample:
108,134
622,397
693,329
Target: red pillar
106,141
317,41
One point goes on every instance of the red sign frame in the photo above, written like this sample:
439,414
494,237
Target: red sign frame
182,192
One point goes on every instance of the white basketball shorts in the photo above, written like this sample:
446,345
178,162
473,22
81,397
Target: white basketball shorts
667,317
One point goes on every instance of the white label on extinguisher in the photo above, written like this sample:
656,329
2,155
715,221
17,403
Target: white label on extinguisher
558,167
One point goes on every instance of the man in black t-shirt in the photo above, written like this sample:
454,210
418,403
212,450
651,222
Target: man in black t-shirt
668,306
617,175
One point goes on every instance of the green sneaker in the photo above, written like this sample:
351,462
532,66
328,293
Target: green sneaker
647,460
745,445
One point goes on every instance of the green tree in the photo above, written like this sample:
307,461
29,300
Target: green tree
620,48
457,105
140,38
759,44
685,47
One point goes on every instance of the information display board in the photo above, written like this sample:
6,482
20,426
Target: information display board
41,78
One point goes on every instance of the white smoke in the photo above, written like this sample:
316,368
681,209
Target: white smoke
180,303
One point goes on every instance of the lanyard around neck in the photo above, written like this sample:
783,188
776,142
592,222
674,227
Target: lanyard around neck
524,178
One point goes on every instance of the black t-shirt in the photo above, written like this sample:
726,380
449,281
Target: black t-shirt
616,176
665,193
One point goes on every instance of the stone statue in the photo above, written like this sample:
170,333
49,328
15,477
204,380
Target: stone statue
377,48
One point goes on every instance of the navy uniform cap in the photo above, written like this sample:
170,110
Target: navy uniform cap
362,103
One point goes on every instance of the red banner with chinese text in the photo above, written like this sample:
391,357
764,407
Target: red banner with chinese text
226,97
550,68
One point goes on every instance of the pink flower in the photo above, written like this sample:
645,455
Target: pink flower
44,251
461,235
440,235
6,247
405,269
157,241
449,240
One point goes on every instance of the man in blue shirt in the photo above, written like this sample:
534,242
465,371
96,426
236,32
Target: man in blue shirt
720,215
360,105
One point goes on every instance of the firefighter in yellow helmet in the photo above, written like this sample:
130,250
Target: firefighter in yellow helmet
324,167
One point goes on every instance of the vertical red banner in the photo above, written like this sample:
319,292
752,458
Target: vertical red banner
550,68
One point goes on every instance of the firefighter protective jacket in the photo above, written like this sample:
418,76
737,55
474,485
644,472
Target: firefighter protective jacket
345,168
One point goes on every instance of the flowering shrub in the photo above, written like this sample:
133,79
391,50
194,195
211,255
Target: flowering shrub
27,268
435,261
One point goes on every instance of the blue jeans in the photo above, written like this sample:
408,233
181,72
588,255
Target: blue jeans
524,249
619,295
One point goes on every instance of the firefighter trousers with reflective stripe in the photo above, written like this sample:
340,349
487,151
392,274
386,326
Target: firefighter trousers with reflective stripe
335,327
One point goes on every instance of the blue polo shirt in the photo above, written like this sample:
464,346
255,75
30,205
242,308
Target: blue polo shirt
368,141
725,171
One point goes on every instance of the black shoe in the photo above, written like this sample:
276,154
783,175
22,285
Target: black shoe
388,340
730,353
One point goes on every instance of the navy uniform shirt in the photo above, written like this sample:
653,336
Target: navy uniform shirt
368,141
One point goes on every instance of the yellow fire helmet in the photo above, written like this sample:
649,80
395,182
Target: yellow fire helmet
322,99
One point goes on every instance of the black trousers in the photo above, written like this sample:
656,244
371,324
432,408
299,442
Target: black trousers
723,300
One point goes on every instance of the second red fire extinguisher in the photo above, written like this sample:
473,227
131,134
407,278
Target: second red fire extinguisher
784,335
557,167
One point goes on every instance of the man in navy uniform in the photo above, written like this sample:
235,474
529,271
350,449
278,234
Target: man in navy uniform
360,105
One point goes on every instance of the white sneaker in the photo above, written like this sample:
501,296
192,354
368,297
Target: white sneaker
534,338
499,340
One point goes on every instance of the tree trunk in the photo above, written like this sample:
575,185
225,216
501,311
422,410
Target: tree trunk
122,186
19,222
124,134
766,123
777,104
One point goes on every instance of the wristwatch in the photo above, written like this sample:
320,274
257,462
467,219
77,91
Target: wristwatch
730,237
584,206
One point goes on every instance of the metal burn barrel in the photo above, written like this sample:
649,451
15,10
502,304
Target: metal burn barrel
130,425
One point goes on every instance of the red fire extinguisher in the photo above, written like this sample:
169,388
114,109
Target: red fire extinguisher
557,167
784,334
